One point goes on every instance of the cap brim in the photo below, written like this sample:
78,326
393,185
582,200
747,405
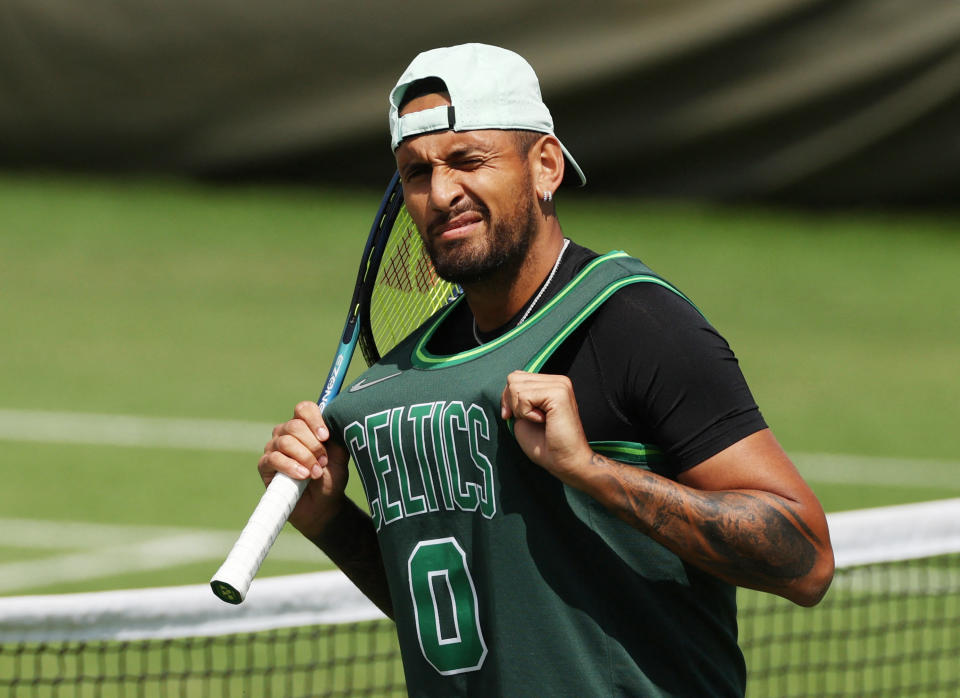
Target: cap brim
572,174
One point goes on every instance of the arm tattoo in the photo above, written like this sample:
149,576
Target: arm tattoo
350,541
753,537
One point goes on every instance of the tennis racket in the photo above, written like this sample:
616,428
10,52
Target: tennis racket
396,290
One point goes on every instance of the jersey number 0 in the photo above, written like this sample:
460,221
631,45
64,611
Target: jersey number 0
445,606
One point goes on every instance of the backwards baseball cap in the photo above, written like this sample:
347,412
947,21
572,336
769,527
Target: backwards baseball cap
489,87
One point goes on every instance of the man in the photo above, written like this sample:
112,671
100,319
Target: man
567,475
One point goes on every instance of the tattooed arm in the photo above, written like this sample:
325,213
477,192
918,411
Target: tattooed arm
744,515
302,448
350,541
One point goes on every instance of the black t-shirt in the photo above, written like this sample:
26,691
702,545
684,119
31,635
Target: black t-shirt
646,367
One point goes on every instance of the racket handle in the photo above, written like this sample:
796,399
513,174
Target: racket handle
233,579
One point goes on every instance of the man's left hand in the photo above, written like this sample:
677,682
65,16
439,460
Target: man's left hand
547,423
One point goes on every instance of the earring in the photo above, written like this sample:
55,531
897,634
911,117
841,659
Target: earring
547,196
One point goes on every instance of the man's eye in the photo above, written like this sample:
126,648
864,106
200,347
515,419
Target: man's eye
413,173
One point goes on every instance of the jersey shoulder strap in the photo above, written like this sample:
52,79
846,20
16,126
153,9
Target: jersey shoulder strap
599,280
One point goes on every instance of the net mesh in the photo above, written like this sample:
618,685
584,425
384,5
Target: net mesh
407,290
889,629
302,635
889,626
350,659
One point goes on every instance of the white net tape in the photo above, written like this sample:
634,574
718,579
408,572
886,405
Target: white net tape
859,537
187,611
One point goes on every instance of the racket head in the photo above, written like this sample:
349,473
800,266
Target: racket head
395,278
401,289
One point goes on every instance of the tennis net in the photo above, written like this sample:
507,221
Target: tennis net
302,635
889,626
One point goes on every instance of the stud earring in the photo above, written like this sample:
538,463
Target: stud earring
547,196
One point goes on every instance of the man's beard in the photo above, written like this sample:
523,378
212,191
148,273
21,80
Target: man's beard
507,243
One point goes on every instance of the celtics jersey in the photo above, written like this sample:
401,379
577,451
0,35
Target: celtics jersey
504,581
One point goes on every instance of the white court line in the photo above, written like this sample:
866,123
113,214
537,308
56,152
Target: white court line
99,550
875,470
71,535
126,430
106,550
249,437
97,563
92,551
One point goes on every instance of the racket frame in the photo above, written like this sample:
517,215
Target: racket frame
232,580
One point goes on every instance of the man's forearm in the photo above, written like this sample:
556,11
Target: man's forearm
749,538
350,541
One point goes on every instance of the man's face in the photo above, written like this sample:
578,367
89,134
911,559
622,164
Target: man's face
471,196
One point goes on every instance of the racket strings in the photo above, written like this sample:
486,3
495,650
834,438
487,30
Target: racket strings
407,290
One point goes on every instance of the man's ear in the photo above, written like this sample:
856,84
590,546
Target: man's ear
548,164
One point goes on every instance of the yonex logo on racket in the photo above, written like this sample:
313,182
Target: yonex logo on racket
330,389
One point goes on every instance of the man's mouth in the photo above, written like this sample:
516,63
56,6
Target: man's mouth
455,225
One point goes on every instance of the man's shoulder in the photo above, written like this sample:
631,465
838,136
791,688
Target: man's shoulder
580,257
646,298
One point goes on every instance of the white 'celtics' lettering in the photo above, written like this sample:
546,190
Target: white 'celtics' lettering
429,457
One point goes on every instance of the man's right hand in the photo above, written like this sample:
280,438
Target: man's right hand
301,448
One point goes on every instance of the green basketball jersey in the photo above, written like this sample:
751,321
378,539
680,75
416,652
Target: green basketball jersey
504,581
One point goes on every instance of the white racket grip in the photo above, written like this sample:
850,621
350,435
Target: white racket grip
233,579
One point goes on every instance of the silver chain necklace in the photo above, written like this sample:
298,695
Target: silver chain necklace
526,314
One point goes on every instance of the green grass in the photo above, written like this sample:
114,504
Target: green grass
131,485
163,299
847,327
166,298
842,497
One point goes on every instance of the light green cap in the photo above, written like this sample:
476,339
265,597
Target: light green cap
490,88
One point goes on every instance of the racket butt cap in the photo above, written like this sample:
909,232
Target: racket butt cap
226,592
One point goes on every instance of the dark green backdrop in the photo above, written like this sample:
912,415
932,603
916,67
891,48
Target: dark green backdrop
825,101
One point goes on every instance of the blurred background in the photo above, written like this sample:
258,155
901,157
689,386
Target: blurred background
802,101
184,188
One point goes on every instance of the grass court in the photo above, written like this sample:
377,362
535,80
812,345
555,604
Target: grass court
154,330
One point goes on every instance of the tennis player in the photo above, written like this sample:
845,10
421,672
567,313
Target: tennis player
566,473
